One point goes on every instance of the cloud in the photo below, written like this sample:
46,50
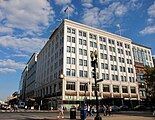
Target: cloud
62,2
97,17
87,3
11,64
148,30
4,30
26,15
151,10
29,45
20,55
6,70
150,20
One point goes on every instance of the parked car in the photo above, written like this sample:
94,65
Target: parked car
140,108
124,107
115,108
5,107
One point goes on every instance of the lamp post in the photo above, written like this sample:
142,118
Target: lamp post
94,63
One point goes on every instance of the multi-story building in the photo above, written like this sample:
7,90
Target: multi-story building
142,58
22,84
68,52
31,76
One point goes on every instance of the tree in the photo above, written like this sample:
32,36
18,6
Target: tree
149,78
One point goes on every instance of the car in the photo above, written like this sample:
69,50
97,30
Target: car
124,107
140,108
5,107
115,108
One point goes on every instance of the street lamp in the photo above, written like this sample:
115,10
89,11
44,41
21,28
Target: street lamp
94,63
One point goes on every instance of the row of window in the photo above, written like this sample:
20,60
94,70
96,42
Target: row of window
102,39
105,76
106,88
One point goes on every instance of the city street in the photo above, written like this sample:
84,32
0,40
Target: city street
47,115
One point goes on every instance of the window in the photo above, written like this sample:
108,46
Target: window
116,88
70,86
95,45
73,72
84,42
85,52
73,49
68,60
106,88
124,89
80,62
68,39
68,49
68,30
73,31
85,62
105,76
80,41
104,66
73,60
68,72
73,39
80,33
84,34
80,73
133,90
90,36
101,46
83,87
80,51
91,44
85,74
95,87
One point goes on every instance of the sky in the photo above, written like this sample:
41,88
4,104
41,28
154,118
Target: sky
25,26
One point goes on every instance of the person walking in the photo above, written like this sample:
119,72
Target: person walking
61,111
105,110
109,110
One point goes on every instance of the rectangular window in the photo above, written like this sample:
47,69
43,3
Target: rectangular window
84,34
124,89
95,45
68,60
83,87
85,62
68,49
68,30
80,33
68,39
73,39
80,62
133,90
84,42
68,72
85,74
70,86
106,88
73,49
80,51
116,88
73,60
73,31
80,73
85,52
80,41
73,72
91,44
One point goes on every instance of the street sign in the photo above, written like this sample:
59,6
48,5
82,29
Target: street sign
99,80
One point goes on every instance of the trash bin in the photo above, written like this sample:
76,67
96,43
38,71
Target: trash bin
83,114
72,113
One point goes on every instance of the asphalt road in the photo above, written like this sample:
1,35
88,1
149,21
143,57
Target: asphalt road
31,115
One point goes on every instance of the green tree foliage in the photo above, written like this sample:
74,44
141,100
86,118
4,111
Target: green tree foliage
149,78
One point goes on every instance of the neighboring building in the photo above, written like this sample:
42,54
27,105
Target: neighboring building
31,76
22,84
68,52
142,58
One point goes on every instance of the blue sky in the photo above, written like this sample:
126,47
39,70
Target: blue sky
25,26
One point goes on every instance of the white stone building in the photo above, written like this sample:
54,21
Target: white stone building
68,52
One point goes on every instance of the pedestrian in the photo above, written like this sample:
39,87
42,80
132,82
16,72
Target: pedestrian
105,110
61,111
91,111
88,110
109,110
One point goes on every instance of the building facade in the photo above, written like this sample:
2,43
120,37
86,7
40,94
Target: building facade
68,52
142,58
